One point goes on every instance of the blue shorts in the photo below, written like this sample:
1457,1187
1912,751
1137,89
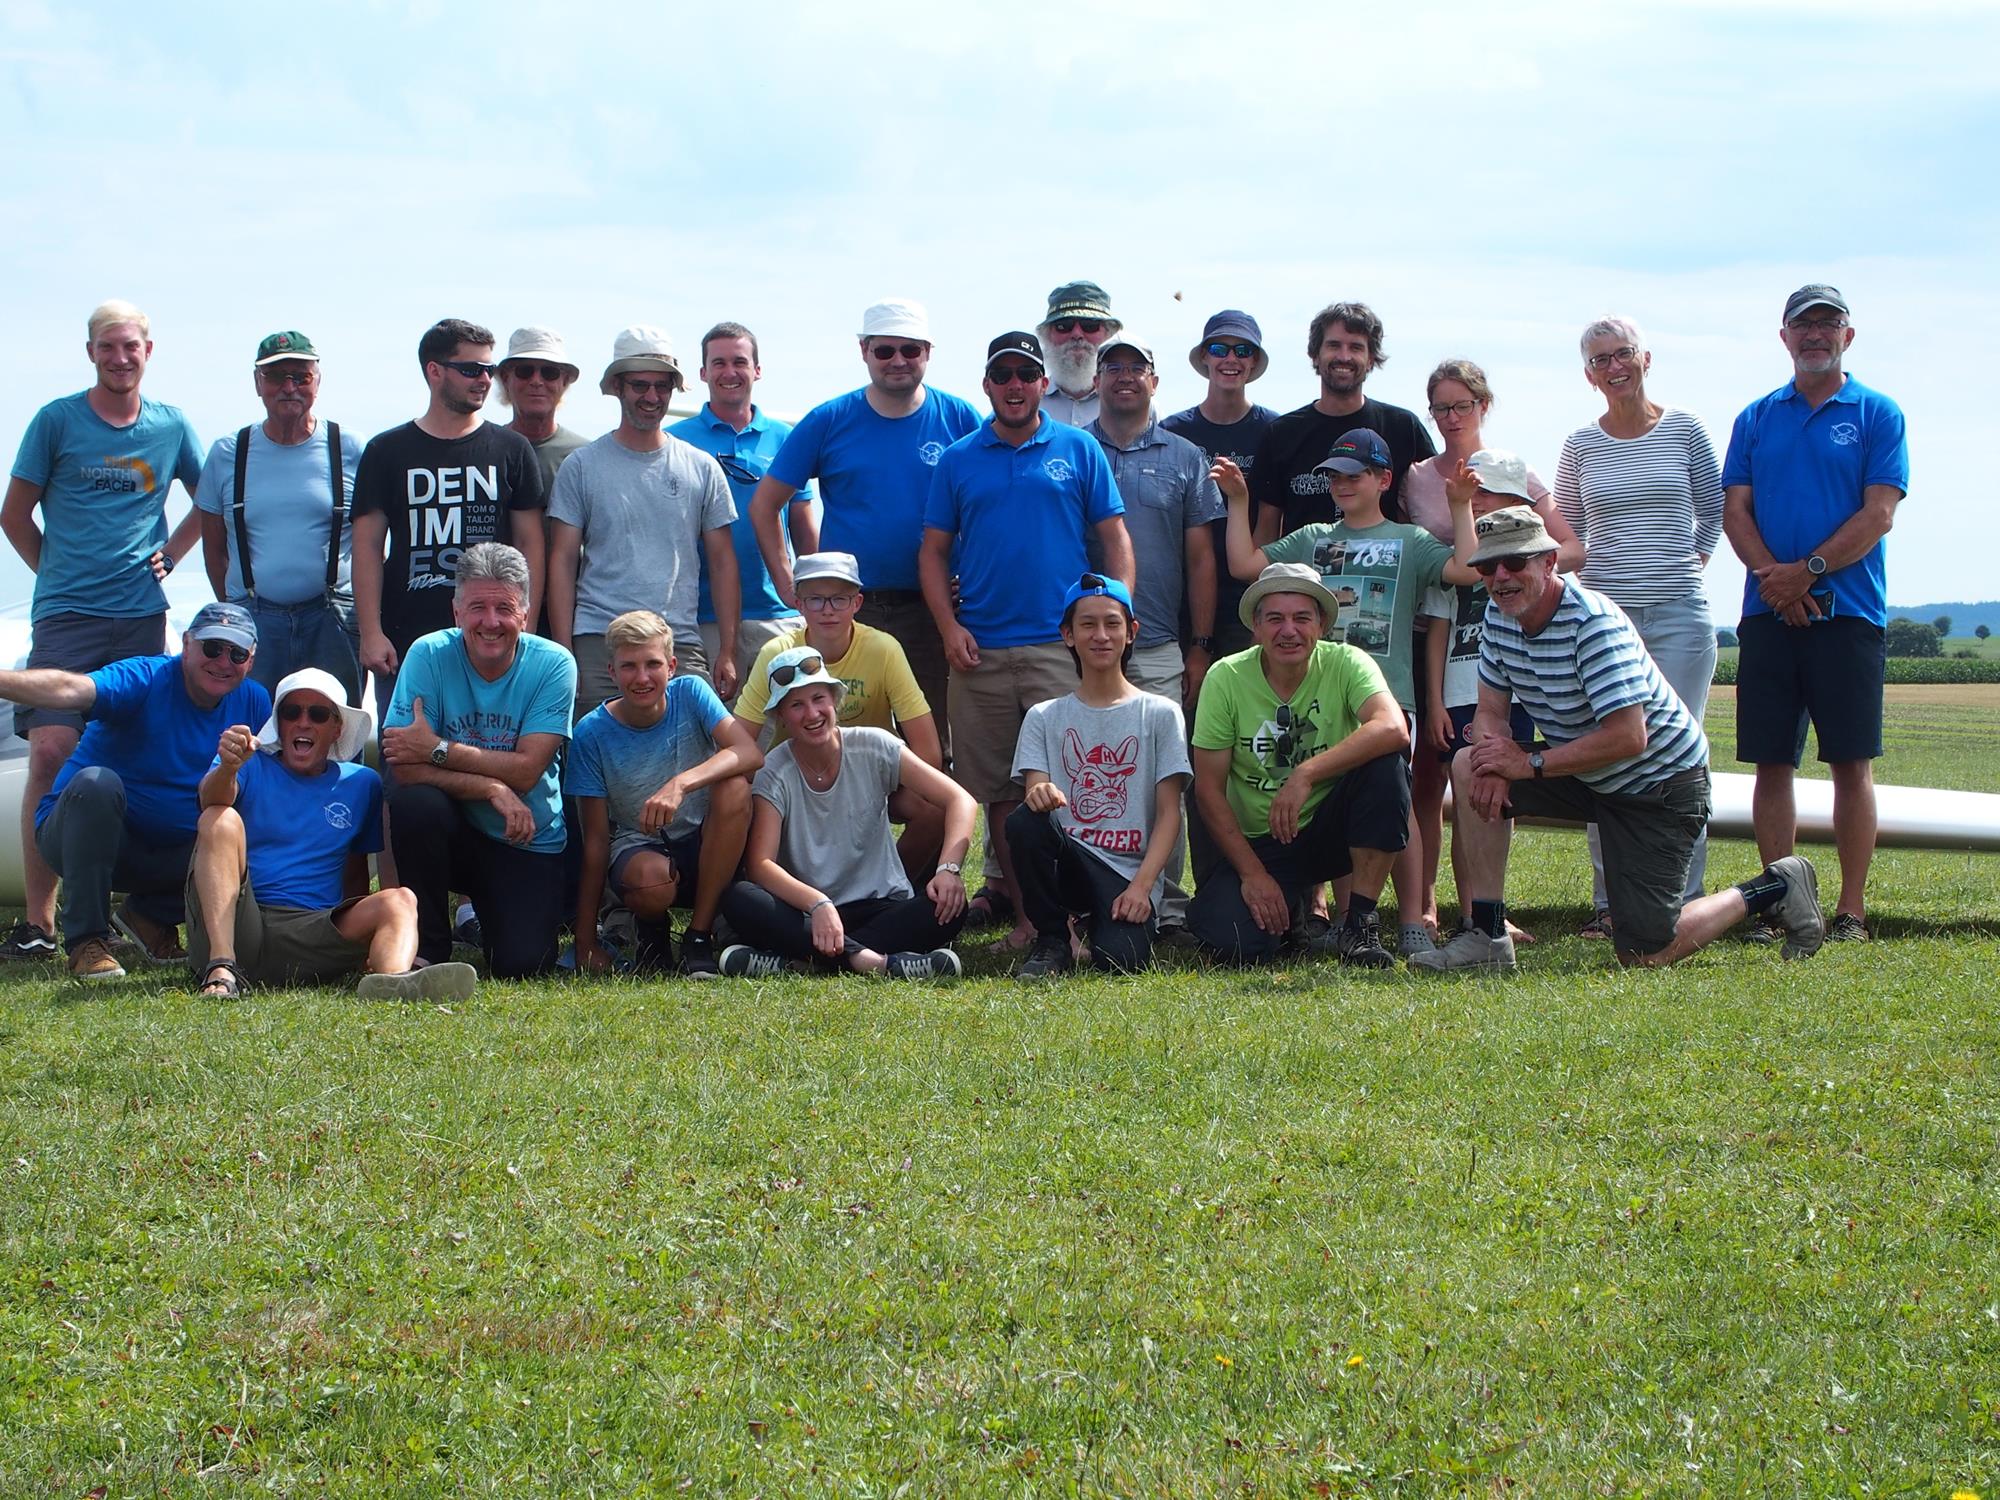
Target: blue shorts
1829,673
1518,722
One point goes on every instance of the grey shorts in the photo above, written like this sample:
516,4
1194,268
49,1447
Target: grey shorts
83,643
278,944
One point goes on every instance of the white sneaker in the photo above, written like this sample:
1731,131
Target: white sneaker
1468,949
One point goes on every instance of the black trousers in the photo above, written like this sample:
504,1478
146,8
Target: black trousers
1368,808
518,892
885,924
1058,878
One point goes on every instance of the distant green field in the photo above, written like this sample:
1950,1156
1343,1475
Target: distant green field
1729,1230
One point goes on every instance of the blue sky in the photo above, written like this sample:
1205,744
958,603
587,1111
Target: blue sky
1490,178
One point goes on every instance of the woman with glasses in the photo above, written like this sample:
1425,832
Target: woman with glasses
826,886
1460,397
1641,486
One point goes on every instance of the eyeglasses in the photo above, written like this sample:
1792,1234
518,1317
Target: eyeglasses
1624,354
1119,367
736,469
638,386
807,665
887,352
1071,325
1008,374
1817,325
824,602
299,378
1514,562
1242,351
319,713
213,649
1285,743
471,369
523,369
1461,408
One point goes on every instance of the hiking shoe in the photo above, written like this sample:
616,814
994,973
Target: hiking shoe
741,961
1416,938
1468,949
1598,928
939,963
1798,910
1848,928
465,926
1764,930
157,943
697,958
28,941
1049,958
1360,943
431,982
92,959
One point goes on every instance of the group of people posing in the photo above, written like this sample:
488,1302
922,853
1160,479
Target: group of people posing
715,665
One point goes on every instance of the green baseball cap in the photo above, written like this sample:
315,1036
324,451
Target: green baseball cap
288,345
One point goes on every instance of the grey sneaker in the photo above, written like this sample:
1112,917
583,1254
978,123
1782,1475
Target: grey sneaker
1848,928
432,982
939,963
1799,912
1048,958
741,961
1468,949
1360,943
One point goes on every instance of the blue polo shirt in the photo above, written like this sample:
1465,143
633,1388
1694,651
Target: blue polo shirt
1807,469
746,458
1022,517
874,472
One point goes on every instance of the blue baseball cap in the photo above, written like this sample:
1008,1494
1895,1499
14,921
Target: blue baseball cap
1097,586
1359,450
222,621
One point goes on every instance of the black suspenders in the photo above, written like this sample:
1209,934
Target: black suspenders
339,477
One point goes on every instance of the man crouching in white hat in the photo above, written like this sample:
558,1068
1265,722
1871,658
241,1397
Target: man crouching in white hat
278,893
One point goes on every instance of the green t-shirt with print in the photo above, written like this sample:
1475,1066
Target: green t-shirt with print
1379,574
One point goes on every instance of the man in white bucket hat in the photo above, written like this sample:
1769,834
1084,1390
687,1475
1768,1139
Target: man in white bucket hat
278,890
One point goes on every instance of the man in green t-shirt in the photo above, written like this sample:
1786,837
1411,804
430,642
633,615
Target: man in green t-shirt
1301,773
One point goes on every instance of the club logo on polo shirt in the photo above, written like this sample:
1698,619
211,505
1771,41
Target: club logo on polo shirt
1059,470
1844,433
340,815
930,453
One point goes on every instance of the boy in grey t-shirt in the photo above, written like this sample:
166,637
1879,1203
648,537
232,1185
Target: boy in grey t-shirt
1104,769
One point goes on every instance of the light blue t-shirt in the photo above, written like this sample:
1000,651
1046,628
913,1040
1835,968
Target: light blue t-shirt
874,472
144,726
745,458
301,829
625,766
1023,518
290,512
533,697
104,496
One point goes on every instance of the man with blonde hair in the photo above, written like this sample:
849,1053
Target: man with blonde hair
99,464
661,777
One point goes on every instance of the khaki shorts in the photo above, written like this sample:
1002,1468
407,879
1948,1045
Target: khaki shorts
594,682
279,944
988,705
1159,669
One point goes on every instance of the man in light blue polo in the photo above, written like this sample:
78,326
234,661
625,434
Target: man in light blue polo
873,450
99,464
1015,508
1814,474
744,440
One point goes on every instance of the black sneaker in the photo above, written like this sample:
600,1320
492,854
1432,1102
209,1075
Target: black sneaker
698,957
740,961
1844,928
1764,930
1361,943
1049,958
29,942
939,963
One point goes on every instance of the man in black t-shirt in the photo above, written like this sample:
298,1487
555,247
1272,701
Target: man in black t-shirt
1287,488
432,488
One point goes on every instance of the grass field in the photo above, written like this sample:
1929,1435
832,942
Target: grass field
1729,1230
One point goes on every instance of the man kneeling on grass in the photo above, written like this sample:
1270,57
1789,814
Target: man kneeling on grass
825,883
661,776
1623,753
279,889
1301,773
1094,844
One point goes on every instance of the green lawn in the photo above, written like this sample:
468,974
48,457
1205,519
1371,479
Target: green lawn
1729,1230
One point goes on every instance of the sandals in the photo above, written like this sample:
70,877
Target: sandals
227,979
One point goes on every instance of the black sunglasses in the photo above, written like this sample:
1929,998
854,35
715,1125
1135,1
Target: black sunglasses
213,649
1514,562
1008,374
1242,351
808,665
319,713
282,378
524,369
736,469
1070,325
887,352
1285,744
471,369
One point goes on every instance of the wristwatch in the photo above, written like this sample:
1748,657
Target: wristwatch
1202,642
439,751
950,867
1816,565
1535,764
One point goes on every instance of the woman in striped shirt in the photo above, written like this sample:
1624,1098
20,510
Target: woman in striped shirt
1644,492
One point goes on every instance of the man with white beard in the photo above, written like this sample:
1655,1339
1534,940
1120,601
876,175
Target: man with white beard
1077,322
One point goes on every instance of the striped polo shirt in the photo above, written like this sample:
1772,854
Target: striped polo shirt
1579,669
